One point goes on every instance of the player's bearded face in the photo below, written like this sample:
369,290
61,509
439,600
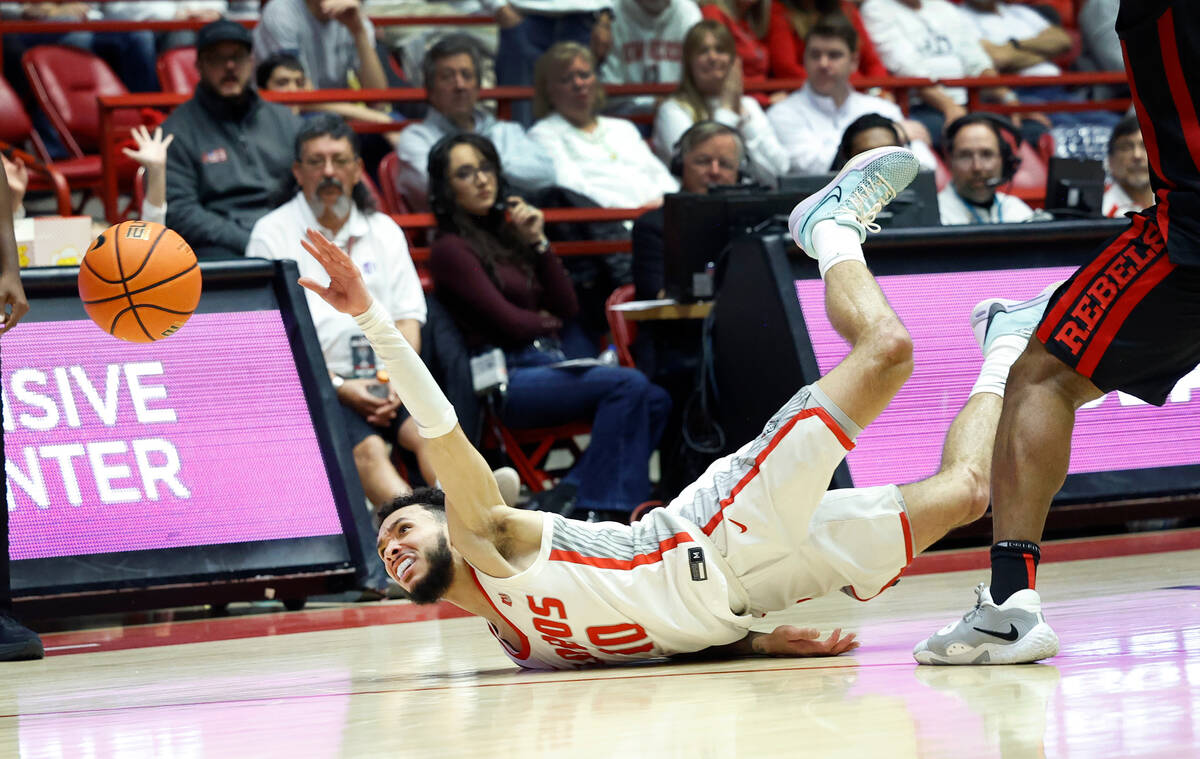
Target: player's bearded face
439,571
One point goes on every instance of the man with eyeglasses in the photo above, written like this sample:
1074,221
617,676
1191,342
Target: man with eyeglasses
980,163
232,148
329,195
1129,167
451,75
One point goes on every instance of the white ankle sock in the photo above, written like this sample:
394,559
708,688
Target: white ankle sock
997,361
835,243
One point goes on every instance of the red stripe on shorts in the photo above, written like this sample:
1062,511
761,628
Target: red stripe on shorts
1083,279
818,412
1113,320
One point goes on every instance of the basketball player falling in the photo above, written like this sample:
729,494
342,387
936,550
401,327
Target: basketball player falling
1129,320
756,533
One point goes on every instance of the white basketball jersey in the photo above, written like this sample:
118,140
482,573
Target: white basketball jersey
607,592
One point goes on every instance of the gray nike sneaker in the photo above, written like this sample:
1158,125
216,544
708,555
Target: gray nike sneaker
868,182
1015,632
994,317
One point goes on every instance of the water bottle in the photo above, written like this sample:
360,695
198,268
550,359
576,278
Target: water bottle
608,356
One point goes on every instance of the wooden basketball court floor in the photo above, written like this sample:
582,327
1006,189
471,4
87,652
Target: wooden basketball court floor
391,679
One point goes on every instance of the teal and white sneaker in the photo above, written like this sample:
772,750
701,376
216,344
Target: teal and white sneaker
995,317
1015,632
868,182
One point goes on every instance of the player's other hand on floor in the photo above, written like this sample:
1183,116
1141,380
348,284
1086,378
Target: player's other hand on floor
789,640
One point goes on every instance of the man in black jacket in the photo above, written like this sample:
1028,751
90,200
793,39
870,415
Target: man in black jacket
232,149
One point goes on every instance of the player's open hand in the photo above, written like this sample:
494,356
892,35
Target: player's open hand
789,640
346,290
151,149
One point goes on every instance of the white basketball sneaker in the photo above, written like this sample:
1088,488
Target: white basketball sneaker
869,181
1014,632
995,317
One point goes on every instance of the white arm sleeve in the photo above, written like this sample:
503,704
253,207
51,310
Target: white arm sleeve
408,373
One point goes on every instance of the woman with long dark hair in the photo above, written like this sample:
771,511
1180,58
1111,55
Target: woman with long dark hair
493,268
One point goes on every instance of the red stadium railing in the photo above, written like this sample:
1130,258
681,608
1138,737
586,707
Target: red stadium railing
505,95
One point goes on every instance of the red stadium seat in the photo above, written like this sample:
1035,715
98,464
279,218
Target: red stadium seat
67,82
177,70
623,331
528,449
393,201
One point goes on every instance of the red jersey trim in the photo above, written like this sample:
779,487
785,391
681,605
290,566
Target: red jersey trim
1178,86
526,650
606,562
818,412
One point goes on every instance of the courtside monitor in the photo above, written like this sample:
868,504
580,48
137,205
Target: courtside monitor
208,456
771,313
1075,188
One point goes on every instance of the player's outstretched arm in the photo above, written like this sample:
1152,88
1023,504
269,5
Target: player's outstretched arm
471,490
785,640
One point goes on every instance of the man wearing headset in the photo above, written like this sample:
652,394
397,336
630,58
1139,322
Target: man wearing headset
981,161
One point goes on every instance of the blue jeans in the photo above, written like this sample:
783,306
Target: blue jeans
523,44
628,414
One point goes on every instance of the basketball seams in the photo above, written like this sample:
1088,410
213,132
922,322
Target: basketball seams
125,286
172,296
142,289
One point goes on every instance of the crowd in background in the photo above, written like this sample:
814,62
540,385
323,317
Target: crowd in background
237,175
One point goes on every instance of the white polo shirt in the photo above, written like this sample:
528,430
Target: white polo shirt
375,244
1005,209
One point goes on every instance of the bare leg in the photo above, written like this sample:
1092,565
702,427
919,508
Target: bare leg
958,493
1033,444
880,359
380,480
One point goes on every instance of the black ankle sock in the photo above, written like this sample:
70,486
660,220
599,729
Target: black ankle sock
1014,567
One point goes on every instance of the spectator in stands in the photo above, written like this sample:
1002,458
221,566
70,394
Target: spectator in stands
708,154
933,40
493,268
334,40
232,148
331,198
528,28
792,20
151,153
647,47
748,22
1129,168
712,90
283,72
167,10
981,160
451,74
1018,38
1101,46
1025,40
867,132
810,122
601,158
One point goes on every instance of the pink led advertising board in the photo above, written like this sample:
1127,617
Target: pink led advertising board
203,438
1117,432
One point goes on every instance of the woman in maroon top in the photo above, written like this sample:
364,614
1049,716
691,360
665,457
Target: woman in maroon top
492,267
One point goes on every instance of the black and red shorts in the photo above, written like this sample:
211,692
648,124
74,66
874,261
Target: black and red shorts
1130,319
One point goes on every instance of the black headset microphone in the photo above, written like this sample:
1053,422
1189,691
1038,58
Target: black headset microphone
1010,162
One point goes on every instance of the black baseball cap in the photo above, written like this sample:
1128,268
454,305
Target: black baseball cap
222,30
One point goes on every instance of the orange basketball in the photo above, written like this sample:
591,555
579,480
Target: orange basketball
139,281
